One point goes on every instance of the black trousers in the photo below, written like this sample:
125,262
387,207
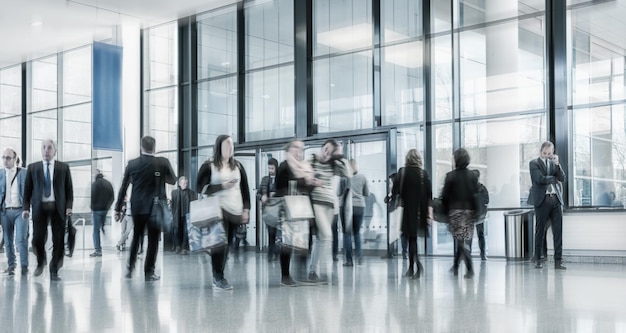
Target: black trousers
218,257
47,213
550,209
142,223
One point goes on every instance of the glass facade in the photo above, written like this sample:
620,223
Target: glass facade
217,75
11,108
269,95
596,90
480,78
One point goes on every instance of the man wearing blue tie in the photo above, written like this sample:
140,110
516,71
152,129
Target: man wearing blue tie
48,189
545,194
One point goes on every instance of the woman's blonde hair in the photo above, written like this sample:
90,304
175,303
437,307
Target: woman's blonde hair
413,159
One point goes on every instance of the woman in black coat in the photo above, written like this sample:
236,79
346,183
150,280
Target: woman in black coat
413,185
459,198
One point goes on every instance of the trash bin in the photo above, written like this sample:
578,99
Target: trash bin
518,234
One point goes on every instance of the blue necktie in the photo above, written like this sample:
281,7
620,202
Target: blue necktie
48,189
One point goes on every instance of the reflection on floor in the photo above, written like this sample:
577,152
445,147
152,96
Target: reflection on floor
372,297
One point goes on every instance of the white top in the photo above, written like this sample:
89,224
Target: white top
230,199
12,196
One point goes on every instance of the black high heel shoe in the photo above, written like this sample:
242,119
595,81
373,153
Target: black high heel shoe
420,268
409,273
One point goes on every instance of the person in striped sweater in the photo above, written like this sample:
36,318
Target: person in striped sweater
326,164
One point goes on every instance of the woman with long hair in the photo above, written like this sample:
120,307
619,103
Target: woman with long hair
460,204
227,179
413,185
299,171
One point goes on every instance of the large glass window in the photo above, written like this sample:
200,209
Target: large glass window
217,61
217,110
77,76
77,104
44,81
401,19
340,26
11,108
596,88
217,43
269,33
270,104
501,148
270,82
343,92
161,96
502,68
402,84
161,45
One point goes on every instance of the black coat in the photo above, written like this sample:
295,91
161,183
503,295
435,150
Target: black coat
34,187
148,174
102,194
415,189
460,190
180,203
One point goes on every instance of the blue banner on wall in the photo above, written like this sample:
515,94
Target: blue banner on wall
107,97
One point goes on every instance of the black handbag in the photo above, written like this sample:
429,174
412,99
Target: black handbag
439,211
70,237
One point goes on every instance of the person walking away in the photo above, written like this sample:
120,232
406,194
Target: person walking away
459,200
148,174
102,197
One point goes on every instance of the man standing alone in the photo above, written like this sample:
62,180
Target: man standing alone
15,227
545,195
48,189
101,201
181,199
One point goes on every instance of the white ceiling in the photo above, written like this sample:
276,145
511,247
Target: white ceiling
65,24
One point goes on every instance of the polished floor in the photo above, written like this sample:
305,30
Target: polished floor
504,296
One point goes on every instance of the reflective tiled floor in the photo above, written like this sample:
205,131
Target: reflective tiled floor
373,297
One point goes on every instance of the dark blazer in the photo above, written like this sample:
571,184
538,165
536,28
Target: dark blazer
180,203
540,181
34,188
148,174
460,190
102,194
415,190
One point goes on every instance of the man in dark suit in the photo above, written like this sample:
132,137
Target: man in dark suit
545,194
48,189
267,190
181,199
148,174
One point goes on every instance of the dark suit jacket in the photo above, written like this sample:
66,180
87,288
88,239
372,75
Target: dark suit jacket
460,190
181,200
34,188
540,181
148,174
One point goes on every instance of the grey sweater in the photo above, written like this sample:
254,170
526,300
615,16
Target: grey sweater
358,185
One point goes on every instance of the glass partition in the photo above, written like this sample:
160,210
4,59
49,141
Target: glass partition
596,87
11,108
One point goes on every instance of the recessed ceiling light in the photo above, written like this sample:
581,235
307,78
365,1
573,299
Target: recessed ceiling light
36,24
